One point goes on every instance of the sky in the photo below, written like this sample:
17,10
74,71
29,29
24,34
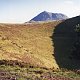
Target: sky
20,11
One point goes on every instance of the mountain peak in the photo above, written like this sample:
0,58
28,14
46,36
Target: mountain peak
46,16
44,11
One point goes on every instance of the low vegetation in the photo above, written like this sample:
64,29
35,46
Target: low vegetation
38,51
76,45
18,73
28,43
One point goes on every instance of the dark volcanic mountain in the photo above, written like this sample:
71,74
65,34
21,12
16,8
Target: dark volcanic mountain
47,16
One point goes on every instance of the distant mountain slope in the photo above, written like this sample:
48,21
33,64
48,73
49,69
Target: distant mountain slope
46,16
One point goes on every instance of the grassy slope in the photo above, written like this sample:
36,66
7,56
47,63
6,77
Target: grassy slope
29,43
17,73
64,39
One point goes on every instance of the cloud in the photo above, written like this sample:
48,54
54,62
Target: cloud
68,2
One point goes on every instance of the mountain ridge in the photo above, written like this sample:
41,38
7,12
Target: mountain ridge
47,16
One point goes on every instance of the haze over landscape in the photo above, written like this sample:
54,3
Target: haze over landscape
20,11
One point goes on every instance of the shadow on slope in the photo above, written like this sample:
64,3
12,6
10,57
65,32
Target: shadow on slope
63,39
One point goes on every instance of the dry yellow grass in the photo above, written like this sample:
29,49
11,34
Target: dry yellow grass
30,43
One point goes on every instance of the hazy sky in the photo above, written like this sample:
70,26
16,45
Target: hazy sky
20,11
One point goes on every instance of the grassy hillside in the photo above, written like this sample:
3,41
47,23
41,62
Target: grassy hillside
28,43
44,44
17,73
39,51
64,37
